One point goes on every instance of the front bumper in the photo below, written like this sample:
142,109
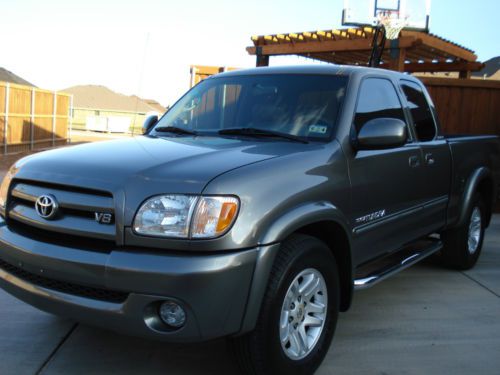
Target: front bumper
212,288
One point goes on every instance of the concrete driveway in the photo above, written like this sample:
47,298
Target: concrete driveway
425,320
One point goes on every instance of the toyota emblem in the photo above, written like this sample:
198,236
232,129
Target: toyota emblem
46,206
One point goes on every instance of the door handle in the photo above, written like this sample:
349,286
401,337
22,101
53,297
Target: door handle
414,161
429,159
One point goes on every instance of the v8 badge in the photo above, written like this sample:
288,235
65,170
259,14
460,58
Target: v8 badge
103,218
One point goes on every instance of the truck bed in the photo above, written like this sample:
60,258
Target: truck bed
469,153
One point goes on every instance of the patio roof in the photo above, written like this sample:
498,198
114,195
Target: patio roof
413,51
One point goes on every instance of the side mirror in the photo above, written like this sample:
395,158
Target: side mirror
148,123
381,133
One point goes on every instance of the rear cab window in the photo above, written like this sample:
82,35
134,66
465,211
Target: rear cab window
420,111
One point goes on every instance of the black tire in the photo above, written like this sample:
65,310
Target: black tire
456,253
260,351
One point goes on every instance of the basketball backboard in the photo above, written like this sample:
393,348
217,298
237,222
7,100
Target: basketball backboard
414,13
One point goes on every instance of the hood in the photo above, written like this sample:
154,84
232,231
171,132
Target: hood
151,165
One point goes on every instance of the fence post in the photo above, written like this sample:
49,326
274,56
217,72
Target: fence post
70,118
32,125
193,76
6,122
54,119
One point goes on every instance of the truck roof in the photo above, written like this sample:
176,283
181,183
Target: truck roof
344,70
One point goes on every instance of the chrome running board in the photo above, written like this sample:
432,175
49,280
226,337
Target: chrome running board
376,271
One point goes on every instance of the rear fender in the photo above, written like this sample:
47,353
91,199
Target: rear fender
473,183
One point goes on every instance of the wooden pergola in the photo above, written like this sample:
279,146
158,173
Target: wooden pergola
412,52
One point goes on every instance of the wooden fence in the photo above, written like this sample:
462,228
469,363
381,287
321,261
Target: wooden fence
200,72
31,118
466,106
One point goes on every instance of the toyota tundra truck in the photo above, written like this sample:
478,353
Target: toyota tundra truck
252,210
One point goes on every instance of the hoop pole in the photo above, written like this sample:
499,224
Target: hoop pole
377,48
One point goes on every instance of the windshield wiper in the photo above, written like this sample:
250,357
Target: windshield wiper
261,133
174,129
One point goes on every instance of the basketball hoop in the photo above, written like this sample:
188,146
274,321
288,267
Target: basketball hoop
408,14
386,18
392,24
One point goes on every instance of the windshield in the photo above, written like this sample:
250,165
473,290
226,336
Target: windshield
300,105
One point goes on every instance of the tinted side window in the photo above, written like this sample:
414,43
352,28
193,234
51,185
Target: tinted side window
377,98
420,111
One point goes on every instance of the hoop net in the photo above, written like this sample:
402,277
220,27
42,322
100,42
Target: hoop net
392,24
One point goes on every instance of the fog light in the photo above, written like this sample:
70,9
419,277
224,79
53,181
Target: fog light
172,314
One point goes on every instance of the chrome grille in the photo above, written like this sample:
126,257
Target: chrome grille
76,212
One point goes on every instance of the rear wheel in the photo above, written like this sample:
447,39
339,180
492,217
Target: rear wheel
298,314
462,245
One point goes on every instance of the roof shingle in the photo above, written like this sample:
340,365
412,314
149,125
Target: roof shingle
102,98
8,76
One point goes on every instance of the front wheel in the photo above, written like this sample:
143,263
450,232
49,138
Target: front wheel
298,314
462,245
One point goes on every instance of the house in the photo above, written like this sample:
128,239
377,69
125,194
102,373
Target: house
101,109
8,76
491,69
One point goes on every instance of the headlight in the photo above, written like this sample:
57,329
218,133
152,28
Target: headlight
186,216
166,215
4,187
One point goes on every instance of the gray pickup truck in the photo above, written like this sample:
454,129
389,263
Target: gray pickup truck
251,210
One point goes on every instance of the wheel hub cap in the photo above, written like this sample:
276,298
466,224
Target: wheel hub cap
474,230
303,314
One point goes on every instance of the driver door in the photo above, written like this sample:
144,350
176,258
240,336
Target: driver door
386,192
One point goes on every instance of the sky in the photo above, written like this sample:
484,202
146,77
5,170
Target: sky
146,47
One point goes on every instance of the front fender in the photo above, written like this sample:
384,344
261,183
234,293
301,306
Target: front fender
300,216
280,229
